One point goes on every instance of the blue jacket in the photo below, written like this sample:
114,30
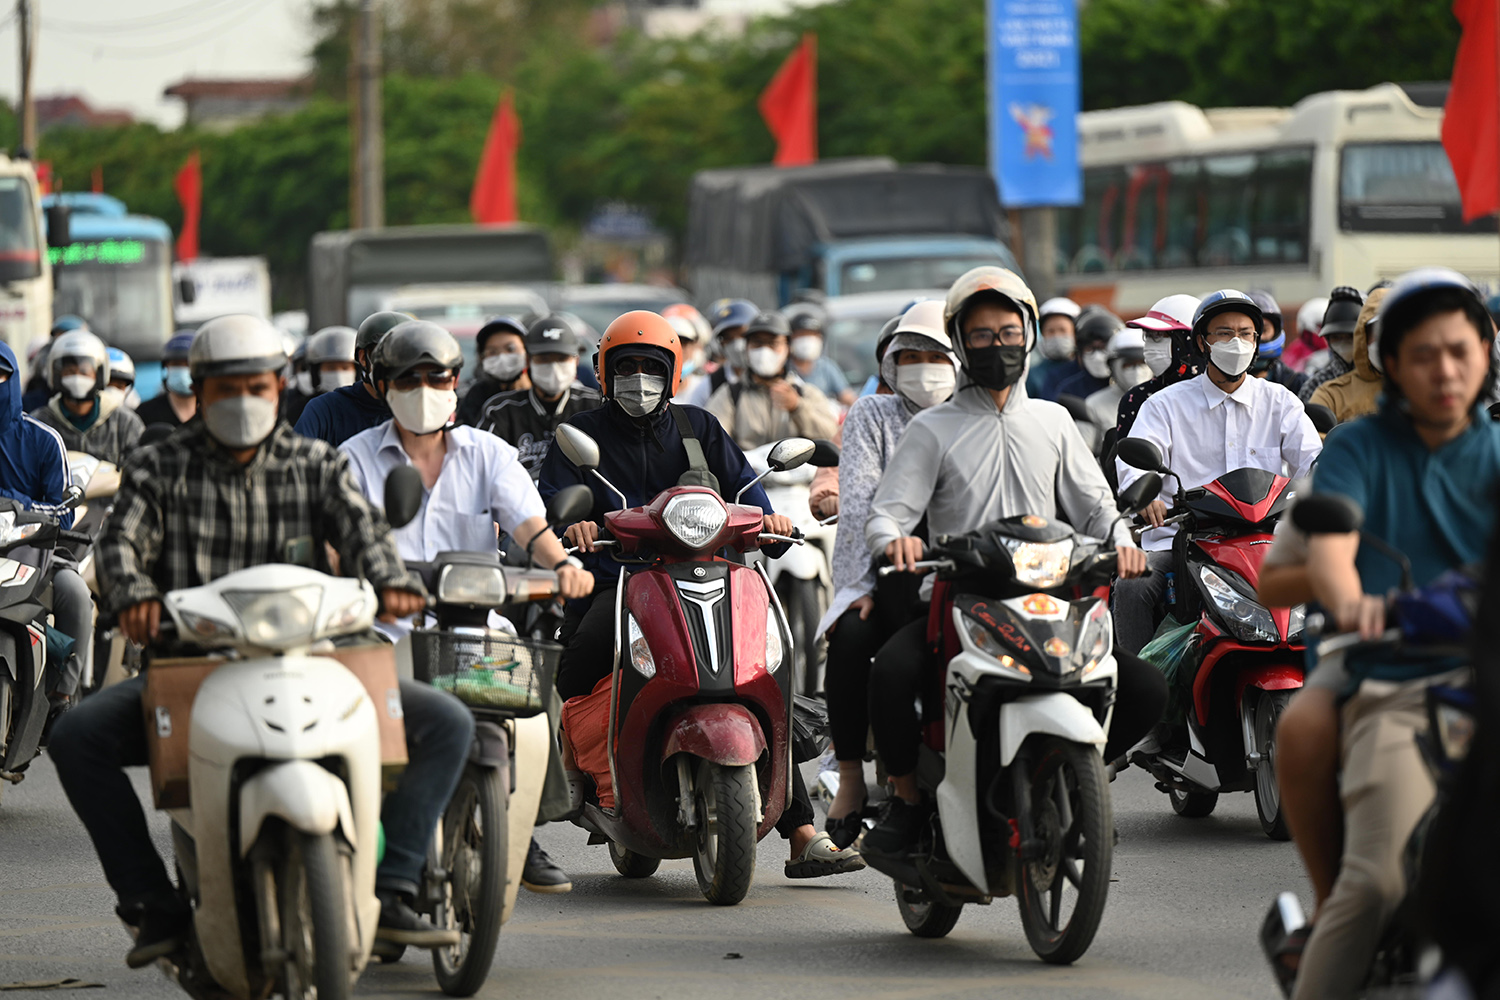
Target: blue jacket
33,462
337,416
1080,384
642,460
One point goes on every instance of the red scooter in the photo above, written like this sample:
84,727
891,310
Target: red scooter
1250,657
688,741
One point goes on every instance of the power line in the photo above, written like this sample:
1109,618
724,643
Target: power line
147,52
146,22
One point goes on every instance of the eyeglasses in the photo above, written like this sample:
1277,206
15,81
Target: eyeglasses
444,378
984,336
640,366
1243,333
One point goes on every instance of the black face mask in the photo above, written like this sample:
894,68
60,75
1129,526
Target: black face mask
997,367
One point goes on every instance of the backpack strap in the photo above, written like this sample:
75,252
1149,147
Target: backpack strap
698,473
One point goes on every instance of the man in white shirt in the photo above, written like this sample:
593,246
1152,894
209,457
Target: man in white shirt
473,481
1205,427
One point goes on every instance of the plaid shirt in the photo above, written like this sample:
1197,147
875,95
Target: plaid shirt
187,513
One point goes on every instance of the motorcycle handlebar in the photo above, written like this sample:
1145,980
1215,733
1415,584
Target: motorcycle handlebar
924,564
796,538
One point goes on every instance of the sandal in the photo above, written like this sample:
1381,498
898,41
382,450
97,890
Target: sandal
1286,957
822,857
845,830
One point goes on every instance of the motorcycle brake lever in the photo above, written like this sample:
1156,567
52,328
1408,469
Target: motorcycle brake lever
795,539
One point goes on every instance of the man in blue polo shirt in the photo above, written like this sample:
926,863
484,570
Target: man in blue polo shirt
1424,468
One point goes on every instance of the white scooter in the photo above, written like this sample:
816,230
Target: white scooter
275,796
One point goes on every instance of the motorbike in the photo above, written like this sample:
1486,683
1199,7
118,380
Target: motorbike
114,659
474,864
803,577
688,741
266,752
1015,725
1250,657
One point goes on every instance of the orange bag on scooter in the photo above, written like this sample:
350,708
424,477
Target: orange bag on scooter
585,724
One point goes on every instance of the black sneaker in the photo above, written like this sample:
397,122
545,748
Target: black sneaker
541,873
896,835
159,931
400,924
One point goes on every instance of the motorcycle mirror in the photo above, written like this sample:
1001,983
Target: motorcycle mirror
1139,494
1077,408
72,497
403,495
1327,514
578,447
825,454
569,504
1138,453
1323,419
790,453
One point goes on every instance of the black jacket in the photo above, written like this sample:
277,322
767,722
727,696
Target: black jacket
523,420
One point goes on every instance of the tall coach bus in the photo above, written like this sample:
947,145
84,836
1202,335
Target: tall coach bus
1345,188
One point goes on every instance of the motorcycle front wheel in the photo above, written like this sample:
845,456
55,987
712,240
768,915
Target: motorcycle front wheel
724,855
1267,712
313,898
925,918
631,864
473,850
1073,819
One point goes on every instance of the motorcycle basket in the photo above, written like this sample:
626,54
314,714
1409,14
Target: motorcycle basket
487,670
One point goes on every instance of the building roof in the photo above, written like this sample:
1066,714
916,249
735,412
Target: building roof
70,109
262,89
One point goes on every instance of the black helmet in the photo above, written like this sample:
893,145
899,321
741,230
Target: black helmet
1411,299
375,326
769,322
498,324
1225,300
806,316
1269,309
415,342
178,347
1342,314
560,333
1096,324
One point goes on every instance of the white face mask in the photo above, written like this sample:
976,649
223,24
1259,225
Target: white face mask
925,385
504,367
112,393
1343,347
555,376
1158,355
78,386
808,347
1128,376
639,395
1232,357
424,409
329,380
767,362
241,421
1058,347
1373,353
1096,363
734,353
304,383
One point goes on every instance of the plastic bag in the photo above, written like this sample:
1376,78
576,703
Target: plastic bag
809,728
1174,651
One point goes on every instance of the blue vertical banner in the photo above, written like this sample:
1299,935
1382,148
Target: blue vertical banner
1034,94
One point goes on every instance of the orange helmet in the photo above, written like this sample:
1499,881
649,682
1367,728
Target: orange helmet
702,332
640,328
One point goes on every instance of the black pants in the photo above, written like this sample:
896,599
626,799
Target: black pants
852,646
896,681
588,657
92,744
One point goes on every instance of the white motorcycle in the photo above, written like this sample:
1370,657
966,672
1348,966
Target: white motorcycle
1017,772
267,755
802,577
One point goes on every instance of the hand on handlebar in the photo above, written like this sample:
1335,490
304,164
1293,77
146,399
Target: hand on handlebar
777,524
573,582
583,535
904,553
1365,616
396,604
141,622
1155,514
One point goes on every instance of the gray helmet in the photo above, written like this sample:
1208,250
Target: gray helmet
805,316
78,345
769,322
236,345
560,333
415,342
332,343
375,326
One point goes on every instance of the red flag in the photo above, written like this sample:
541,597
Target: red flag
1471,120
98,178
789,104
494,196
44,176
189,186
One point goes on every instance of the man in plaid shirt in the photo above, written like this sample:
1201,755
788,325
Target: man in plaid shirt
231,490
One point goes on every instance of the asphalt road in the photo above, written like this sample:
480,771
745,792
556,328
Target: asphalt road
1181,922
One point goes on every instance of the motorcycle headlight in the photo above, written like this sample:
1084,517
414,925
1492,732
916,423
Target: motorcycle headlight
477,586
1040,564
11,532
277,619
1455,731
355,615
1296,622
774,652
1096,641
202,629
984,641
640,651
1247,620
695,519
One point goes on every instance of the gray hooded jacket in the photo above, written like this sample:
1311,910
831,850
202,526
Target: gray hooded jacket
965,463
109,439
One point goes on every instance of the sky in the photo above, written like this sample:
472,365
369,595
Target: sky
124,53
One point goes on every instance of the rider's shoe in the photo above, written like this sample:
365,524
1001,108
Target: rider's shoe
897,833
541,873
160,930
822,857
401,924
1149,746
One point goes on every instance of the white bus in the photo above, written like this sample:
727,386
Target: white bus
1346,188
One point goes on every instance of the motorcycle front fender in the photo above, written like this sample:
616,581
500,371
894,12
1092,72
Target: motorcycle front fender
1053,713
307,796
719,733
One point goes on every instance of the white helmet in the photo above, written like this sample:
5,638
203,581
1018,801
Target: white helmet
235,345
925,318
1126,339
78,345
1059,306
1310,316
1175,312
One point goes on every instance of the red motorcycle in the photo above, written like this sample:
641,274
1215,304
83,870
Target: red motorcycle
1250,658
689,739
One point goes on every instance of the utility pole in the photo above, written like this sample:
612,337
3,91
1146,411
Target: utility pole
26,24
367,176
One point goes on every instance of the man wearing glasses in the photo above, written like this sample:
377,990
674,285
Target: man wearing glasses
1205,427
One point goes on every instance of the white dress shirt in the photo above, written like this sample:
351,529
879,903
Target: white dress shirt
1204,433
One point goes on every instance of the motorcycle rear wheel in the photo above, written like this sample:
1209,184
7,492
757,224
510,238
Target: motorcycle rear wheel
1193,805
1268,709
475,845
803,601
1072,815
926,920
631,864
312,894
724,856
7,709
